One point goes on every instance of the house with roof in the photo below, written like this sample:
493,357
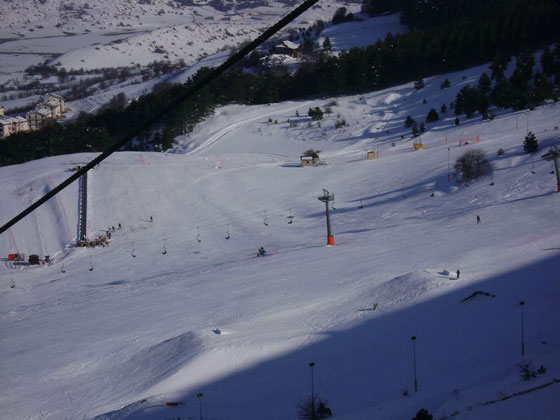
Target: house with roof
12,125
287,48
38,118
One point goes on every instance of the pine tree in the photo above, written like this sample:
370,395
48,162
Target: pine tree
432,116
531,144
423,414
327,46
446,83
484,83
415,131
409,122
419,83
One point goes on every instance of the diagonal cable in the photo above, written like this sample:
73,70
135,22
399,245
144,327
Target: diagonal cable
214,74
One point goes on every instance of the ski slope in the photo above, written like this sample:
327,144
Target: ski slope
122,340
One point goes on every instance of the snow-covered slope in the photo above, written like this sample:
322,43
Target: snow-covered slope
122,340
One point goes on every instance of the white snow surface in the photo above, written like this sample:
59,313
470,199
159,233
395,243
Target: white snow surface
135,333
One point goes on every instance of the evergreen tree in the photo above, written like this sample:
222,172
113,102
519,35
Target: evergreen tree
484,83
445,84
498,66
308,45
457,121
409,122
340,16
531,144
327,46
443,109
415,131
419,83
432,116
423,414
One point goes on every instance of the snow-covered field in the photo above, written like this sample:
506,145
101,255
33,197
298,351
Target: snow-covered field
122,340
107,33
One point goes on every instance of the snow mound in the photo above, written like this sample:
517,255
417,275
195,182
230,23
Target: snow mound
154,363
413,286
392,97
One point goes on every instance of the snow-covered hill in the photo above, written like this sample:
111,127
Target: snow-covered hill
135,333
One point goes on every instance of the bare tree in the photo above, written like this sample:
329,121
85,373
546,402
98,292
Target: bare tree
472,165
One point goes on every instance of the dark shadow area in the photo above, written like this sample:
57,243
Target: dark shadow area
460,344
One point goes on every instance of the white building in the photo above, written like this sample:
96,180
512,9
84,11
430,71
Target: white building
11,125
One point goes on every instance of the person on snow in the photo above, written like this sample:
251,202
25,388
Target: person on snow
477,219
261,252
458,273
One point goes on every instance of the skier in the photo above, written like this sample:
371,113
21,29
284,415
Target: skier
261,252
151,220
477,219
120,227
458,274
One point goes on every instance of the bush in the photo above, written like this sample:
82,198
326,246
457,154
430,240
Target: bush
315,113
314,409
501,152
531,144
340,123
526,371
472,165
419,83
423,415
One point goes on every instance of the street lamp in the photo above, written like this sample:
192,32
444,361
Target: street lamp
413,338
448,166
522,304
199,396
311,364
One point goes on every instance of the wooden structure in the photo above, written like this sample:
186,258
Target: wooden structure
309,161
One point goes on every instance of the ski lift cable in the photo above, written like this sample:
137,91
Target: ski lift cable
174,103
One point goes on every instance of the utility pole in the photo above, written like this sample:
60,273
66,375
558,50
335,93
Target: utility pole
311,364
448,165
522,304
554,154
413,338
199,396
326,198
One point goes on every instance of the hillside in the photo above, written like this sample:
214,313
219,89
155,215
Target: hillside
120,341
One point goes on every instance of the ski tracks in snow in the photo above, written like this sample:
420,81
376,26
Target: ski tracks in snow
232,127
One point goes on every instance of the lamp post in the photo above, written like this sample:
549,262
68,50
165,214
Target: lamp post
311,364
326,197
448,165
522,304
199,396
413,338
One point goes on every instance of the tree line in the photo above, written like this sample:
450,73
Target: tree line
446,35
